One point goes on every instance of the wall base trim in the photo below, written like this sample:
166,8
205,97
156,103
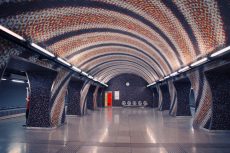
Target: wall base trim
12,116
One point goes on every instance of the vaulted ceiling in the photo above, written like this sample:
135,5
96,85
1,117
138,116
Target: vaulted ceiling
149,38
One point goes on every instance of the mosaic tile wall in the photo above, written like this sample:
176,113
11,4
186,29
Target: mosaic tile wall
107,38
135,91
165,104
83,100
219,81
182,103
40,86
74,89
166,34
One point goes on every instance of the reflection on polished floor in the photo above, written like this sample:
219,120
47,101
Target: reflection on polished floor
117,130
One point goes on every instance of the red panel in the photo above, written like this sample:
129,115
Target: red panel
109,99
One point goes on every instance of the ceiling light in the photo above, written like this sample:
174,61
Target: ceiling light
104,84
91,77
166,77
76,69
84,73
3,79
63,61
174,74
11,33
184,69
18,81
42,50
151,84
220,51
203,60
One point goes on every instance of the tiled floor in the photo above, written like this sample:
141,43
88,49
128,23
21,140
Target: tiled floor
117,130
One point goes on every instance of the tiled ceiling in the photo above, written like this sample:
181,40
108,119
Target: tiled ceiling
149,38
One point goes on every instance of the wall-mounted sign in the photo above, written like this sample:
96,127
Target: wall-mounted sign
116,95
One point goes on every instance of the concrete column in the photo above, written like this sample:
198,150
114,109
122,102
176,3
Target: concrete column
40,84
219,82
90,96
73,98
165,104
181,105
155,97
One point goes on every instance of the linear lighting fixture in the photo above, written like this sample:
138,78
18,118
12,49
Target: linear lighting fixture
42,50
11,33
220,52
76,69
184,69
166,77
85,74
201,61
174,74
3,79
91,77
95,80
63,61
151,84
18,81
161,80
104,84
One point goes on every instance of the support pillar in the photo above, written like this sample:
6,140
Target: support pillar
73,99
40,95
90,96
155,97
181,105
165,104
219,82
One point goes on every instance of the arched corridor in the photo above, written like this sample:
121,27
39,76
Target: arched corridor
114,76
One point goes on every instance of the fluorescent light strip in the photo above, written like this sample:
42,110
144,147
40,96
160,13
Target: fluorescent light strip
184,69
95,80
174,74
151,84
11,33
76,69
203,60
166,77
18,81
63,61
220,51
161,79
91,77
85,74
3,79
42,49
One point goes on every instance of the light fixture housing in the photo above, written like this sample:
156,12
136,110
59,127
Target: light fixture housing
18,81
151,84
42,50
184,69
199,62
91,77
222,51
11,33
76,69
174,74
84,73
63,61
